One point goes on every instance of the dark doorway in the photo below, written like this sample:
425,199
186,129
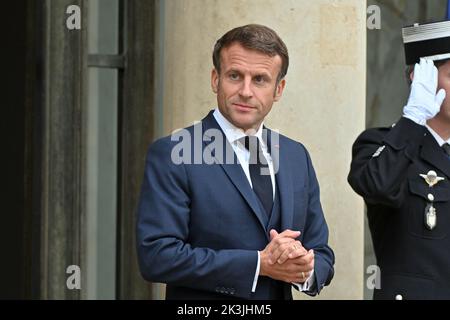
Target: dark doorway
13,224
44,223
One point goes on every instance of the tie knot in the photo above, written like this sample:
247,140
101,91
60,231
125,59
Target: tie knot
446,148
251,143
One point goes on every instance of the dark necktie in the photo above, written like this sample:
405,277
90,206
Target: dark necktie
259,173
446,148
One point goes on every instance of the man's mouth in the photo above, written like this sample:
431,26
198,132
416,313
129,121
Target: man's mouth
243,106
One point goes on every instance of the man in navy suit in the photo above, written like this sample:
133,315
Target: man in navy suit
228,208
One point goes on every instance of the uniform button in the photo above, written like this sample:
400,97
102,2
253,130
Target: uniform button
232,291
430,197
399,297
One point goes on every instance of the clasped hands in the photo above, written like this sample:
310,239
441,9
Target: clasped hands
285,258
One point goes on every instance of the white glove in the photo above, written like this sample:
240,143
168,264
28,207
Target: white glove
423,103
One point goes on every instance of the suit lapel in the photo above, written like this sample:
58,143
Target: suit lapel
432,153
233,170
283,177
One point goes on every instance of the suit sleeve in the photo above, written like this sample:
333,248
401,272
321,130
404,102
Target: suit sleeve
164,252
315,234
380,161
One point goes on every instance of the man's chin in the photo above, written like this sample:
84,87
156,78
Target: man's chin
242,124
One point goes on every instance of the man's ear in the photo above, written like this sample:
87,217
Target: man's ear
214,80
411,76
279,89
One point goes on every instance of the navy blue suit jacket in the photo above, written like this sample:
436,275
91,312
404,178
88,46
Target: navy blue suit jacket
199,226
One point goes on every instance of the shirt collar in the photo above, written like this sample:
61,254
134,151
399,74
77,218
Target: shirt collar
436,136
233,133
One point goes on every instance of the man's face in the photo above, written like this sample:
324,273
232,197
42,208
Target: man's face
247,85
444,83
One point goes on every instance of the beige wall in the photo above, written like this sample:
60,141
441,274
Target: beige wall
323,105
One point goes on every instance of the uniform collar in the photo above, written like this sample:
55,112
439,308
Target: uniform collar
437,137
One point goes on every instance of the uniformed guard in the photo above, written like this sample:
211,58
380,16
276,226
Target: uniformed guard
403,173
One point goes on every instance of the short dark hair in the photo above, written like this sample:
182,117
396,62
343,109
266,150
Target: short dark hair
410,69
254,37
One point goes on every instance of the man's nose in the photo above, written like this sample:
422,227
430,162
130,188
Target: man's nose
246,88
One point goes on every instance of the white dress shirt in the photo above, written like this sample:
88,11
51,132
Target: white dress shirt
233,135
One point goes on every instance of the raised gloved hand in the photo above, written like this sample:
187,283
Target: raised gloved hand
423,103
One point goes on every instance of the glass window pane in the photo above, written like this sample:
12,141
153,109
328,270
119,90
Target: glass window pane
103,24
102,141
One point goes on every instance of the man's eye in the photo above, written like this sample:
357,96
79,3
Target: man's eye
234,76
259,79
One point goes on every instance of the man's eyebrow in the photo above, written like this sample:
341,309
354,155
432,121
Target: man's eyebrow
233,70
262,74
254,74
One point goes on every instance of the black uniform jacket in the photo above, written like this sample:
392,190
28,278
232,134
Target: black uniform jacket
386,171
